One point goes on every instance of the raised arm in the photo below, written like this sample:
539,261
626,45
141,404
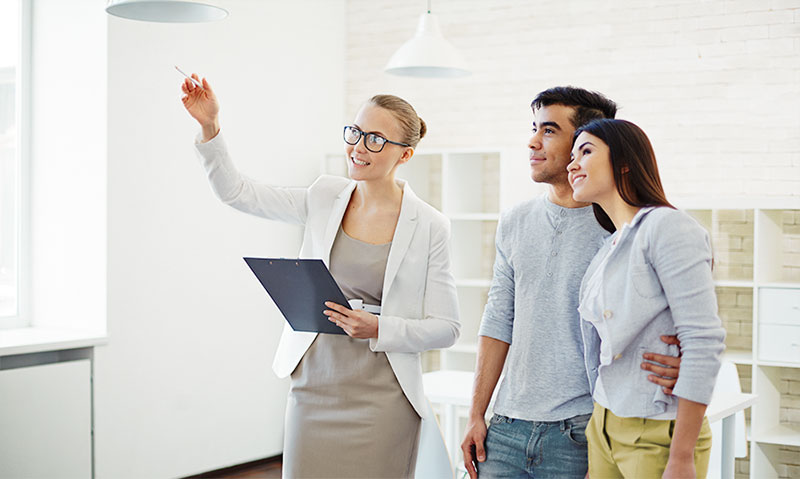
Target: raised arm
277,203
203,105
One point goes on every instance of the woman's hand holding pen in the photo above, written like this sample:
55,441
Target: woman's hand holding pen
202,104
356,323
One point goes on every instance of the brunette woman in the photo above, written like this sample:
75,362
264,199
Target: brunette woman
651,278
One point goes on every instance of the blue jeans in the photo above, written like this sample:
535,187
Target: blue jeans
533,449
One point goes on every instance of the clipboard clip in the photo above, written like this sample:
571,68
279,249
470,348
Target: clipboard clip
356,304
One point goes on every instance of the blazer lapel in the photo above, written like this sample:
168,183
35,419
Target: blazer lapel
335,219
404,231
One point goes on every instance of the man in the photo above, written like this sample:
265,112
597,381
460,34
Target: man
531,320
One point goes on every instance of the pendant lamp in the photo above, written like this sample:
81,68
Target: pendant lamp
428,54
166,11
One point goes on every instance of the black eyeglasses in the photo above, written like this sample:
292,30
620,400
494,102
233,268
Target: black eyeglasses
373,142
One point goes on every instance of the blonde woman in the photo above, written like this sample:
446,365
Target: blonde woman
356,400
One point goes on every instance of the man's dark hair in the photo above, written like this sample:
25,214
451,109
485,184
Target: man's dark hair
589,105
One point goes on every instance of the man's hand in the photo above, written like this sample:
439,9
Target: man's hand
472,446
666,372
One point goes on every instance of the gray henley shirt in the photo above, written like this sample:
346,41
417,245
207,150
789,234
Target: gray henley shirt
543,251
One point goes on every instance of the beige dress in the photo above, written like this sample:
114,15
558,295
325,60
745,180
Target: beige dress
347,416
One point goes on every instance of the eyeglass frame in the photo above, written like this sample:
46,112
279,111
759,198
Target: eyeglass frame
363,134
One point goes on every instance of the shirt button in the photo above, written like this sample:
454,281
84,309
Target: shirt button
607,314
554,253
617,356
549,273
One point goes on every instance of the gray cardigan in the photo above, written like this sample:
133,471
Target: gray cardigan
657,281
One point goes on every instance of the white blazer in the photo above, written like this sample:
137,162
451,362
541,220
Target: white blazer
419,307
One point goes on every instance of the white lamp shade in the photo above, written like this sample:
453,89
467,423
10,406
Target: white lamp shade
167,11
427,54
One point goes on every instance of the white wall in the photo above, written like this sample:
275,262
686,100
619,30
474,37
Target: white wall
714,83
68,164
185,383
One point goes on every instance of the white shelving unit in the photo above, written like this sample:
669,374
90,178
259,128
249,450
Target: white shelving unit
471,187
757,272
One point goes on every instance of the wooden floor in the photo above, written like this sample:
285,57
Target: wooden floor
264,469
269,471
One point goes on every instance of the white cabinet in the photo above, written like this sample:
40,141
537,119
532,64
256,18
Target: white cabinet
45,421
757,269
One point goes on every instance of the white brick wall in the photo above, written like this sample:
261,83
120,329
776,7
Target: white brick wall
715,84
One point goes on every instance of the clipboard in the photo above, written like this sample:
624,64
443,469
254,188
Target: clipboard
299,288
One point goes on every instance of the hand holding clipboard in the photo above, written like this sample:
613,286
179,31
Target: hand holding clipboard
301,288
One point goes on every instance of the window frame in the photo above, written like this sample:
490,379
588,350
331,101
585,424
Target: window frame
22,89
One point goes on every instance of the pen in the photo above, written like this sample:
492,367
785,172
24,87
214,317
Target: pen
197,83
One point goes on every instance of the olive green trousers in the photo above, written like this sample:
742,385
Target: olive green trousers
637,448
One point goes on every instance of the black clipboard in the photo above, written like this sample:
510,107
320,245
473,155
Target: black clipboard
299,288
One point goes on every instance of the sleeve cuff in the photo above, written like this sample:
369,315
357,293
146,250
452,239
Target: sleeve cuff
386,330
491,329
216,143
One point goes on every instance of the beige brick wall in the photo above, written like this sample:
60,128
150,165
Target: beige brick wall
791,245
732,237
736,313
789,458
714,83
790,396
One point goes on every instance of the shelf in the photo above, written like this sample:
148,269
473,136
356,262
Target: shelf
463,348
473,283
782,435
778,364
779,284
738,356
474,217
733,283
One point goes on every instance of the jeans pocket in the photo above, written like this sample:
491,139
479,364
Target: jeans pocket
496,419
576,432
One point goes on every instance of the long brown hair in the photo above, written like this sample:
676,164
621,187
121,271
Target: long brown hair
633,163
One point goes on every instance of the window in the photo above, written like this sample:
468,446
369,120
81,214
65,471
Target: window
11,69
